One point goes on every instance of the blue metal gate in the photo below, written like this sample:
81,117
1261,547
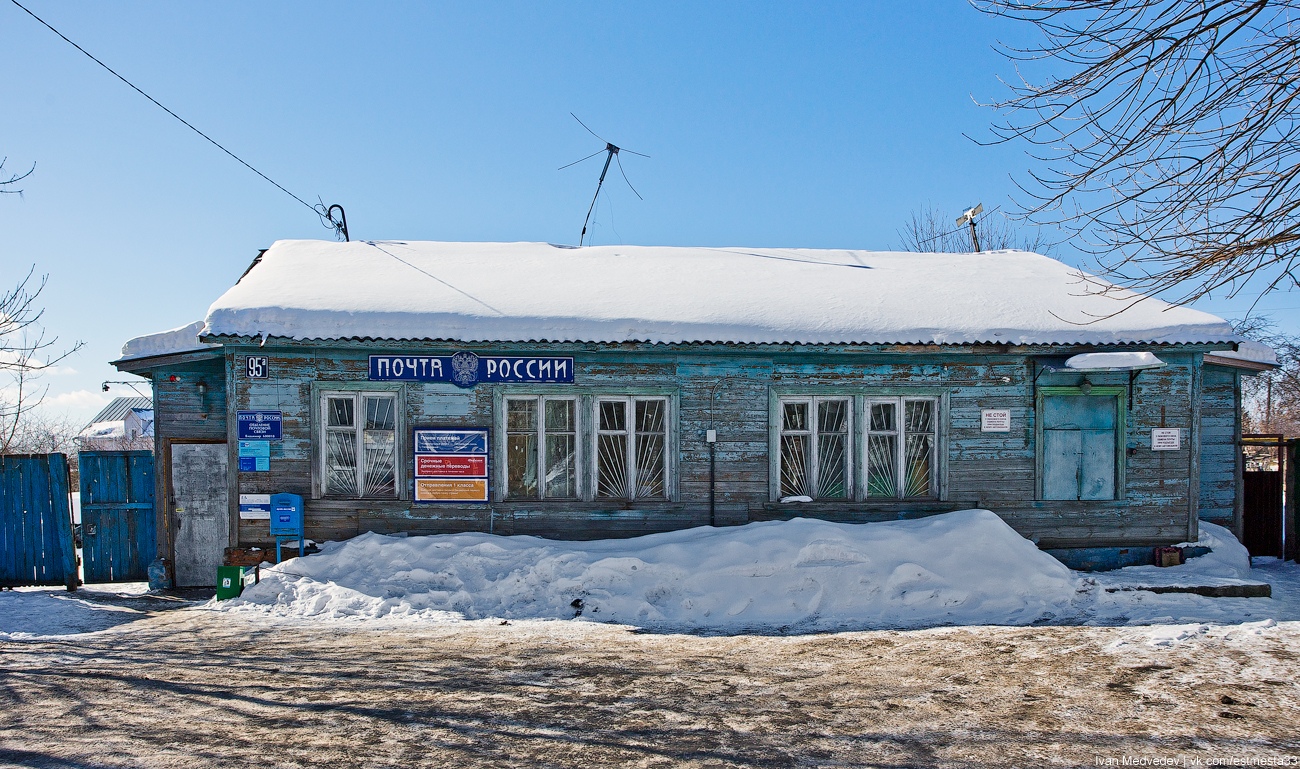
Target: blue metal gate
117,515
36,522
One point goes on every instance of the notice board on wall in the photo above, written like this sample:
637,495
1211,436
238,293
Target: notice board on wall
451,464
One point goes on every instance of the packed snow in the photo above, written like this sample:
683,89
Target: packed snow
961,568
36,612
480,292
966,568
804,575
171,342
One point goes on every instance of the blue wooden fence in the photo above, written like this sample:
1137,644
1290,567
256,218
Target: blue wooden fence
36,522
117,515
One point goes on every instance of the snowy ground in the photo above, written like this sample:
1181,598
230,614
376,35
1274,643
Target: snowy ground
113,677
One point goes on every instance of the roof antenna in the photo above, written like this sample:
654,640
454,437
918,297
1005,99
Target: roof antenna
613,151
338,224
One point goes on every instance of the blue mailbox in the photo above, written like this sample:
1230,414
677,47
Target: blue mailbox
287,521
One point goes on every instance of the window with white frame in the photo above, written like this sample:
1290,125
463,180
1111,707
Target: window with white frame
541,448
900,447
631,456
815,447
359,444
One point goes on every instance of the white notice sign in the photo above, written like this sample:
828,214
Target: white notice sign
995,421
255,507
1166,438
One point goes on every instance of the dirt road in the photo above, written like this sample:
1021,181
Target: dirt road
191,688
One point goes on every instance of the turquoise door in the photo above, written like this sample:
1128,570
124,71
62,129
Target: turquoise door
1079,458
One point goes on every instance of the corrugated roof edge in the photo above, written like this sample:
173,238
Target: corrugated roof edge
257,340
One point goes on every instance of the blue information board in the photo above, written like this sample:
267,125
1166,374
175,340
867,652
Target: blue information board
465,369
257,425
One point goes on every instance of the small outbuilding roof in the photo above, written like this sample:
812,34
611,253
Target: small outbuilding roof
118,408
485,292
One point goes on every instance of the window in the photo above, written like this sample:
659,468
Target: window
359,446
841,447
815,448
1080,437
631,460
541,448
900,452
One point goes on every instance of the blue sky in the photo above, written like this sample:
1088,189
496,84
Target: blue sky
767,125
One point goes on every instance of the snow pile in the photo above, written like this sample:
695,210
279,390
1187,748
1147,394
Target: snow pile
482,292
176,340
1227,563
966,567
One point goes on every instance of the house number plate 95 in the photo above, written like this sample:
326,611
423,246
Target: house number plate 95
257,366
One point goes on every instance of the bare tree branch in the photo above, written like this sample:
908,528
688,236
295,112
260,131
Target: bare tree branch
1271,400
13,179
25,353
1171,144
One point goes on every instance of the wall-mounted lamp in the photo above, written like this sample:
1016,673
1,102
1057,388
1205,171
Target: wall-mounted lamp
105,386
203,388
1086,387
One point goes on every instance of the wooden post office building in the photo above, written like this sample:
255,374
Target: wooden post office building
527,388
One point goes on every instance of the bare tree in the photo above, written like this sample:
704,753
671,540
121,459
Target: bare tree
930,229
1271,399
1171,139
25,353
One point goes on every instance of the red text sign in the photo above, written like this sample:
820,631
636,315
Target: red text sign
443,465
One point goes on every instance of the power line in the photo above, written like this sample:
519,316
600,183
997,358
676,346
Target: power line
159,104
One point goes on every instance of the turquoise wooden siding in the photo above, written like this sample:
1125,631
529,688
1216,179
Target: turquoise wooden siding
1220,431
737,386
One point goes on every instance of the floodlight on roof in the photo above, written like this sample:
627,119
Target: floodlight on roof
969,214
968,217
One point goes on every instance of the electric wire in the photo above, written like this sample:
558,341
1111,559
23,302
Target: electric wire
460,291
159,104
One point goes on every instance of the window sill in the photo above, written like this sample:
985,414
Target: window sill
882,505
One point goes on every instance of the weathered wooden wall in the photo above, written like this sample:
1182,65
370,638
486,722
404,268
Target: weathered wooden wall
736,386
1220,456
183,411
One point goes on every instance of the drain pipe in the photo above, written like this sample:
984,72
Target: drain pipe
711,438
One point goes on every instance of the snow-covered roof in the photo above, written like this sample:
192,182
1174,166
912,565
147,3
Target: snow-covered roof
1253,352
483,292
171,342
113,429
118,408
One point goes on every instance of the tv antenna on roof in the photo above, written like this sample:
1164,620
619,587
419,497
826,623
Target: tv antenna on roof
613,150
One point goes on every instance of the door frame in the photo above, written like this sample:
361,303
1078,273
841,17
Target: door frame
1121,435
167,501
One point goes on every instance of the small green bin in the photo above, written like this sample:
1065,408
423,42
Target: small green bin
230,582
